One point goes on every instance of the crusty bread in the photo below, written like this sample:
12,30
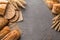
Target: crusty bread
50,3
2,9
56,9
4,31
13,35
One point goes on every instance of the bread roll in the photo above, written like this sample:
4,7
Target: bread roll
56,9
50,3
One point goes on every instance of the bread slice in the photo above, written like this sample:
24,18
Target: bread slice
10,12
3,1
20,4
2,9
15,18
20,16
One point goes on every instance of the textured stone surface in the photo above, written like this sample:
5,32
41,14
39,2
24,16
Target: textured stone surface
37,22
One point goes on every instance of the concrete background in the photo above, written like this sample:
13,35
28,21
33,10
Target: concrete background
37,22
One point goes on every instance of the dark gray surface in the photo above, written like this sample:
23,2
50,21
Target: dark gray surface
37,22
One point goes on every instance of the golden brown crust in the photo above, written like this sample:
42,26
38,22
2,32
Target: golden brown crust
50,3
13,35
56,9
2,9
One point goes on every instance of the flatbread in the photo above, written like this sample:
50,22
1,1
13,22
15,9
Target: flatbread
50,3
